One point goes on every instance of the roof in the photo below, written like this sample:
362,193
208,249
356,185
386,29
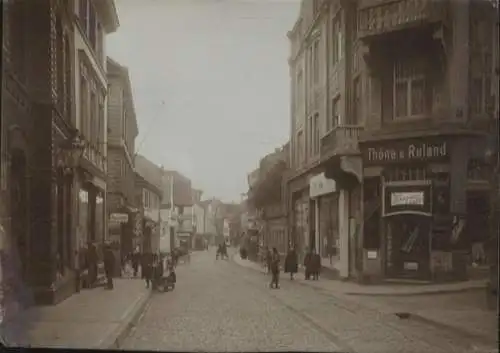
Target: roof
182,191
116,69
148,170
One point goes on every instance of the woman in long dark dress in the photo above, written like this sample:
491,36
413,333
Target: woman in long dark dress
291,263
275,269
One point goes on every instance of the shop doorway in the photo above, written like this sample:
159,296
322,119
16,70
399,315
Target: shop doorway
408,247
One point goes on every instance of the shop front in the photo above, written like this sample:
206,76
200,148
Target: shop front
416,197
91,230
324,193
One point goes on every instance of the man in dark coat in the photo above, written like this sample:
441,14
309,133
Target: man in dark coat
308,264
291,263
109,265
315,265
275,269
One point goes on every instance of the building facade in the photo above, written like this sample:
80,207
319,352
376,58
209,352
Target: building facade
424,144
125,219
149,197
389,122
47,152
93,21
175,210
267,196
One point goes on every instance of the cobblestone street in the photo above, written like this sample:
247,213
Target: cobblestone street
219,306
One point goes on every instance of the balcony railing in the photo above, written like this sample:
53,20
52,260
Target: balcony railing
342,140
395,15
94,156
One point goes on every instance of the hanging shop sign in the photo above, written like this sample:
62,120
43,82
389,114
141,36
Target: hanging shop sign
414,199
406,151
320,185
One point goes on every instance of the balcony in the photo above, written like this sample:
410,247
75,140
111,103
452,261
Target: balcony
390,16
94,156
341,141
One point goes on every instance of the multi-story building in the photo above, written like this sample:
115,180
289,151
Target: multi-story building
199,236
177,224
125,220
149,197
404,119
268,197
53,142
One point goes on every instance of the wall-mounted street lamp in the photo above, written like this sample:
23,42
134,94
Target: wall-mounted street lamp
71,151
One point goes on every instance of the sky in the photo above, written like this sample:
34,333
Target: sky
211,84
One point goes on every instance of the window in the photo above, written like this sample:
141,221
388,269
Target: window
92,28
409,88
334,118
481,65
17,40
316,138
336,38
93,119
83,13
84,94
300,89
68,77
316,6
60,62
315,54
101,127
300,148
309,140
356,106
100,43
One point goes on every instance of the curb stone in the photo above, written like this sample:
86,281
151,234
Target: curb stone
464,333
474,287
484,340
120,333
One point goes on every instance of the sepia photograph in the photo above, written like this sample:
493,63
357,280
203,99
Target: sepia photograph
250,175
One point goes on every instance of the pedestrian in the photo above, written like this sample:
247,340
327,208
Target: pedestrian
135,261
92,263
291,263
315,264
307,264
109,266
148,268
269,259
78,280
275,269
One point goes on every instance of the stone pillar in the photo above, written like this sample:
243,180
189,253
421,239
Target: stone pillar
344,233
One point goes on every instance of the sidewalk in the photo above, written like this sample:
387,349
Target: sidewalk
351,288
461,310
95,318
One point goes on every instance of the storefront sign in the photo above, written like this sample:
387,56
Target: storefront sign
407,198
320,185
406,151
399,199
118,218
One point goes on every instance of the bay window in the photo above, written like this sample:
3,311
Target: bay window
409,88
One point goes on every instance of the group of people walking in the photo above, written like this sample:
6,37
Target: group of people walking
152,265
312,265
